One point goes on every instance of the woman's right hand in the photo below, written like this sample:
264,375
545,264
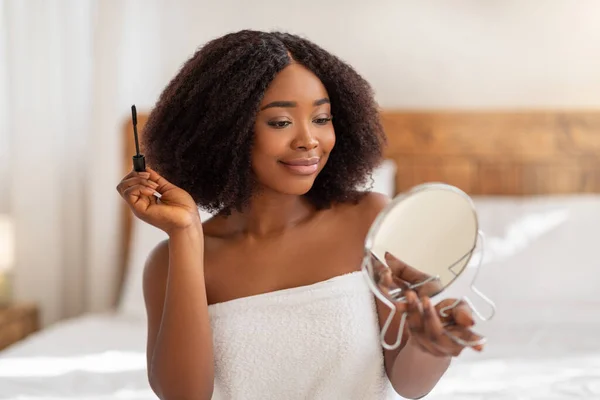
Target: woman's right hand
175,210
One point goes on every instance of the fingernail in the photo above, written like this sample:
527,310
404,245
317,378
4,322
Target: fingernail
158,195
153,184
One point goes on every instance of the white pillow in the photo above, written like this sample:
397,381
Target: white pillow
540,260
145,237
384,179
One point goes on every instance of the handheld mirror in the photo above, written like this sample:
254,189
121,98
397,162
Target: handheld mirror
433,231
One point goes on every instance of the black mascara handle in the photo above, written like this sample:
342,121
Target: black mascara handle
139,163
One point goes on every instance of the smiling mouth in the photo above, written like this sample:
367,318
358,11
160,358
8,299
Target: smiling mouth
302,166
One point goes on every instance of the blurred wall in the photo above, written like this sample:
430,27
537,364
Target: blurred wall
417,54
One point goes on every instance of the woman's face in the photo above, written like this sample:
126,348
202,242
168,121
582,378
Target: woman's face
293,132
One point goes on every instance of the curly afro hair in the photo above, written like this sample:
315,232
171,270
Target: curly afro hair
199,135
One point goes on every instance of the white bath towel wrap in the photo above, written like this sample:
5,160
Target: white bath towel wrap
319,341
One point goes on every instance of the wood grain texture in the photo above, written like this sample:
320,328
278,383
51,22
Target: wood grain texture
17,322
497,153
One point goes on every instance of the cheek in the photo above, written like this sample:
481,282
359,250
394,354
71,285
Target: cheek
267,147
328,140
269,142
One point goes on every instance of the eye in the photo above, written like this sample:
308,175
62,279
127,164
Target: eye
322,121
279,124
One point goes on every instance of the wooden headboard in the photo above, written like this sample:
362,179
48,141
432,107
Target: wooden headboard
497,153
483,153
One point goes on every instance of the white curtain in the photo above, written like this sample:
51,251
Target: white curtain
46,65
69,71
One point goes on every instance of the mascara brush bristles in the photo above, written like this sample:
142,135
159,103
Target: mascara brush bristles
135,134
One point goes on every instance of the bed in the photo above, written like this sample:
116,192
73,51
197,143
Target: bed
535,179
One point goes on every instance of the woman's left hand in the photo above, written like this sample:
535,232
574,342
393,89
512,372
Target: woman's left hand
430,326
430,330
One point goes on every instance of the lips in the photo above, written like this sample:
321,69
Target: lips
302,166
302,161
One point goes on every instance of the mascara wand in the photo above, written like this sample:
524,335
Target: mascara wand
139,162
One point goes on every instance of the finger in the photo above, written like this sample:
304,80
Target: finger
444,345
138,193
133,173
414,309
163,184
383,274
127,183
462,314
447,345
465,335
433,328
429,289
386,281
138,179
459,314
400,283
404,271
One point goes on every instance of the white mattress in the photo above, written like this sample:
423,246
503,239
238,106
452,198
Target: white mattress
96,357
542,269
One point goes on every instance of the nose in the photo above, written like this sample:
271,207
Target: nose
304,139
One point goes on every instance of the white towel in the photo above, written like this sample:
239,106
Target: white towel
319,341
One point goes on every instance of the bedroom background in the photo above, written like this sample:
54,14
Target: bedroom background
70,70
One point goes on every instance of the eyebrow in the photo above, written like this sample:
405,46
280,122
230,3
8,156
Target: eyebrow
289,104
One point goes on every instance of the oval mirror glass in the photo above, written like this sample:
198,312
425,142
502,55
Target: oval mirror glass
432,230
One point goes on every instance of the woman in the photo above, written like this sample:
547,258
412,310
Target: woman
272,134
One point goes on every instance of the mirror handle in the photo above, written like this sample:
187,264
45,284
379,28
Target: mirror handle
367,266
478,292
386,326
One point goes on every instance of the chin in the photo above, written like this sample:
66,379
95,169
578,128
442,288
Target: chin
289,182
295,188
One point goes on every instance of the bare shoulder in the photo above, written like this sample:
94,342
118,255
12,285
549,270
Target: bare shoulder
368,207
373,202
160,252
156,267
353,220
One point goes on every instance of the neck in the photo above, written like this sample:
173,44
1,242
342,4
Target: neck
271,213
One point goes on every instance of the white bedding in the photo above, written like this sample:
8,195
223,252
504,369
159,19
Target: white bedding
541,268
543,271
96,357
576,377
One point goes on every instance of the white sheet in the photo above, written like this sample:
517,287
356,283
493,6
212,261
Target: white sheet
576,377
96,357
